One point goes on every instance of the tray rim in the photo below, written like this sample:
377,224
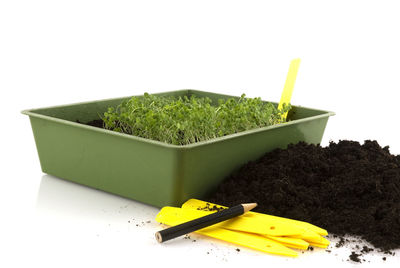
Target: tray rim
32,113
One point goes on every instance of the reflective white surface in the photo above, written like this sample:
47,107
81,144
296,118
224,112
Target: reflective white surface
73,225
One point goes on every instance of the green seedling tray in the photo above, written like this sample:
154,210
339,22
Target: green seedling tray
149,171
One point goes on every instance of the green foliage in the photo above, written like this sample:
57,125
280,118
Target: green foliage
185,120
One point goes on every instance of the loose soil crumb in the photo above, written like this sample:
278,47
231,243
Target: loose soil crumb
366,249
341,242
209,207
347,188
355,257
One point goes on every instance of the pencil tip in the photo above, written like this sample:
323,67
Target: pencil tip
249,206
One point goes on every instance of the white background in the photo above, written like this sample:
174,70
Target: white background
59,52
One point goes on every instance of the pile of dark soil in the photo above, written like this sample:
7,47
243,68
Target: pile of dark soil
347,188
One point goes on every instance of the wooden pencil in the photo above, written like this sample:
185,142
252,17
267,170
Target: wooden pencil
202,222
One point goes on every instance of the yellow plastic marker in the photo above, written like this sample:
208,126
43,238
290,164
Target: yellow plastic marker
289,84
246,231
249,240
312,237
290,242
202,205
303,224
240,223
257,224
252,241
262,224
249,225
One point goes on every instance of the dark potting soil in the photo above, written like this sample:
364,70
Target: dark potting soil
346,188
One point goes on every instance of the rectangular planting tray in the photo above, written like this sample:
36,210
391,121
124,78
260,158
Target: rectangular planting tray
149,171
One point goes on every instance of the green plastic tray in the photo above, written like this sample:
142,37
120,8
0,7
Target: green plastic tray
149,171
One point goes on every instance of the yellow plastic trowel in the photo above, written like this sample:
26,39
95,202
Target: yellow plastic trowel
266,233
289,85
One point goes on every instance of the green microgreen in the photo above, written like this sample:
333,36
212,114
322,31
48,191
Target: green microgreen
186,120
